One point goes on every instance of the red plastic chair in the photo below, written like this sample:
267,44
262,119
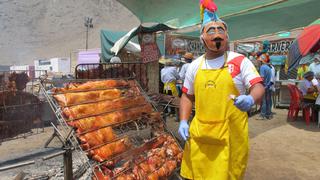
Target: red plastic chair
297,103
294,107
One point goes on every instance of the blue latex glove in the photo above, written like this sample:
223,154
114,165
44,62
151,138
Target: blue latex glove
184,129
244,102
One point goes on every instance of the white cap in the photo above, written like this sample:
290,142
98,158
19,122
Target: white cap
315,82
115,59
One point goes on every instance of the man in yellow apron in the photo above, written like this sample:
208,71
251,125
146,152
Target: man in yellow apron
169,77
216,144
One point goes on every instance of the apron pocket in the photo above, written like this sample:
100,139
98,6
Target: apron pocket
216,132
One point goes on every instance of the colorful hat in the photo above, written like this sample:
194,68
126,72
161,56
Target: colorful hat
265,46
263,57
208,11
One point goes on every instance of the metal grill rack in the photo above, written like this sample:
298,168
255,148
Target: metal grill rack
138,130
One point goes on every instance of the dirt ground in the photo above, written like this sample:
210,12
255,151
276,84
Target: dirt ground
279,150
283,151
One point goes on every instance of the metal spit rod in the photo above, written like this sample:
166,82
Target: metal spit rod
31,161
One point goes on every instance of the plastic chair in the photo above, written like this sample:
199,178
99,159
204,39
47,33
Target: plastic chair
297,103
294,104
306,107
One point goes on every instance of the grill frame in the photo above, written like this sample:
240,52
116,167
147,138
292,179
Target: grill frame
73,140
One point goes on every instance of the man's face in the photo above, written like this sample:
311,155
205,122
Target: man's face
259,63
309,78
215,37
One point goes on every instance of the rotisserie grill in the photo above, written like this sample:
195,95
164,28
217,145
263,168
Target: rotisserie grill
118,129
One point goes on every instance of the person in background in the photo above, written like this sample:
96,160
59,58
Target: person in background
266,74
315,66
169,77
178,63
302,70
188,57
309,87
272,85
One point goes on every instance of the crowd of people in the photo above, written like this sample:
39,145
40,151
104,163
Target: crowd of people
173,73
173,77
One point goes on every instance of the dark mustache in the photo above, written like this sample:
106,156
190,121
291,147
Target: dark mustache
217,39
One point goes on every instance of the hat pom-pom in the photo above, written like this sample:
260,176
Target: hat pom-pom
209,5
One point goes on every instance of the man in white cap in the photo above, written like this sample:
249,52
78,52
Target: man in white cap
169,77
309,87
188,57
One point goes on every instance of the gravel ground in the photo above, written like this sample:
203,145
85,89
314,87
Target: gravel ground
279,150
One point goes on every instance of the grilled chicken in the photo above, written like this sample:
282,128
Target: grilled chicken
69,99
98,137
103,153
92,85
97,108
107,119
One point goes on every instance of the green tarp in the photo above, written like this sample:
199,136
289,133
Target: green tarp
184,13
266,19
285,16
316,21
109,38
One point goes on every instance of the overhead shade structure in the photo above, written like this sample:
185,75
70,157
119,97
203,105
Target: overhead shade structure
284,16
133,32
108,39
113,41
185,13
308,41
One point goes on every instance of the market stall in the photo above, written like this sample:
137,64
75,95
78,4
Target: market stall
279,44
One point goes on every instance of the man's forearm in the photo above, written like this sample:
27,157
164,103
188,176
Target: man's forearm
257,92
185,106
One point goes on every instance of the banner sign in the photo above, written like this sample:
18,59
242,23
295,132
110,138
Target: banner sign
178,44
149,48
281,46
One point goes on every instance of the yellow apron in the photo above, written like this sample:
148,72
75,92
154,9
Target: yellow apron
218,145
173,88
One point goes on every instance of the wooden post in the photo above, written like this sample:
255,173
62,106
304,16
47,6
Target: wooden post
153,77
67,161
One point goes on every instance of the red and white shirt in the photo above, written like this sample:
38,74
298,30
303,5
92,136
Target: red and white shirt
242,70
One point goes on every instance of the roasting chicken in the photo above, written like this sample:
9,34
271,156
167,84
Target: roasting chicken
98,137
161,160
107,119
94,109
103,153
68,99
97,108
92,85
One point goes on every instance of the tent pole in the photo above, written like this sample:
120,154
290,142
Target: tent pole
164,43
